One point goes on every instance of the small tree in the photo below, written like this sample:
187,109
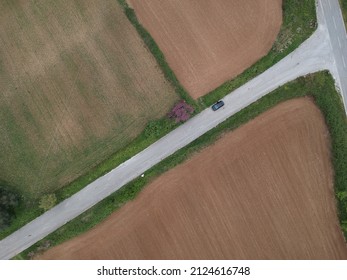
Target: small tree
153,128
181,112
344,226
47,201
5,219
9,200
342,195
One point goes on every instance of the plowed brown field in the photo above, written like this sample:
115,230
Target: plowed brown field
207,42
264,191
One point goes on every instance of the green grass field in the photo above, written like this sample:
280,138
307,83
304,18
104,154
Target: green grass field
319,86
77,84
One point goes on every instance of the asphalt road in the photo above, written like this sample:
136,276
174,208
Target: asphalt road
315,54
338,38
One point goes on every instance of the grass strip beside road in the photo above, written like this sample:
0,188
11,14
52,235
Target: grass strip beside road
343,4
299,23
319,86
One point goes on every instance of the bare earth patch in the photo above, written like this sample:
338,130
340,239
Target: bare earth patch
211,41
76,85
264,191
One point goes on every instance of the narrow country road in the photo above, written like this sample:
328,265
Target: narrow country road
338,39
325,49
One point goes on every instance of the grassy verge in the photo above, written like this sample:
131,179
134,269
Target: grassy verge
299,22
157,53
343,4
320,86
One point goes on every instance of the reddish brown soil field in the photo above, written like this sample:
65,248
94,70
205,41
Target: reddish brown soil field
208,42
264,191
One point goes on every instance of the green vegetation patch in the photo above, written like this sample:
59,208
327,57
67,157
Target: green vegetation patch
319,86
343,4
9,201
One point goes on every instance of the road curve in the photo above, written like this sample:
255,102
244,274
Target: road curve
313,55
